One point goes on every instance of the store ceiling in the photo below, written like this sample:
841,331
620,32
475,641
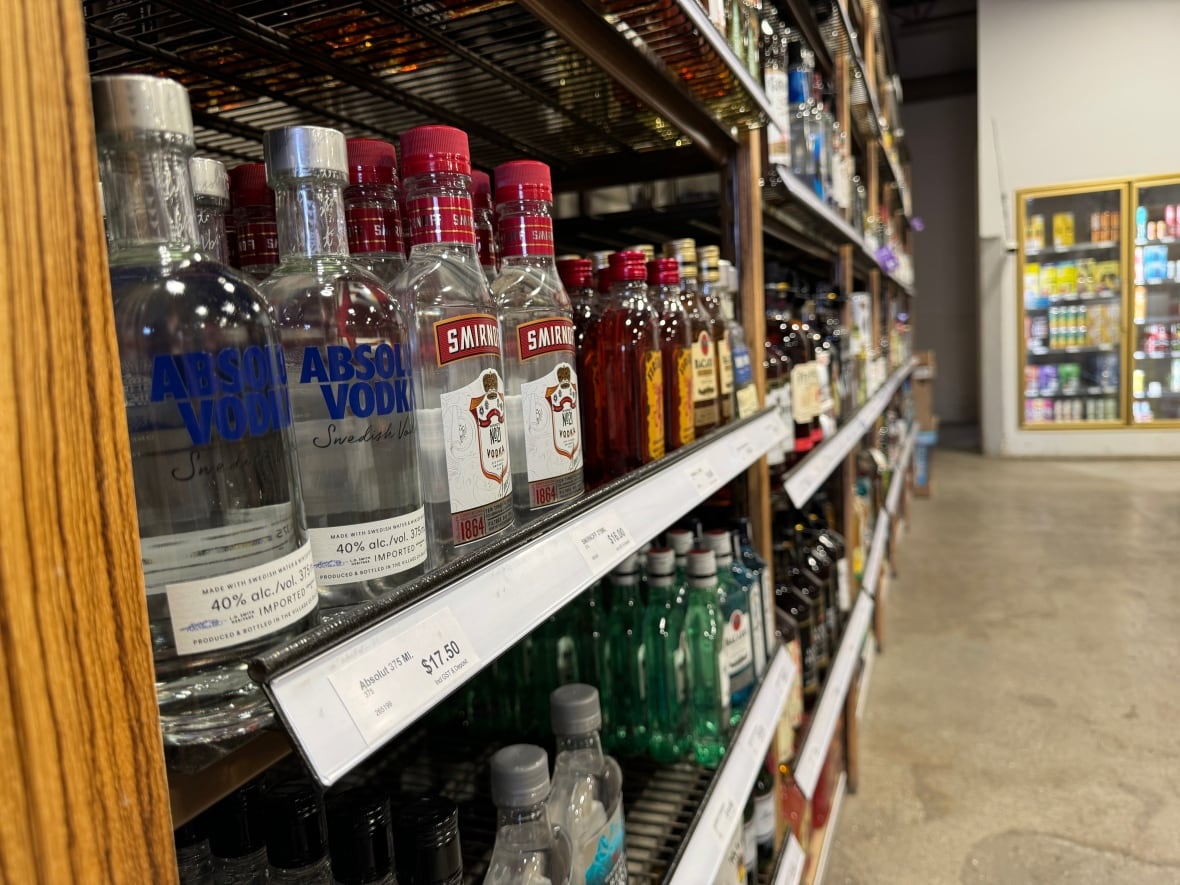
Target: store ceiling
934,47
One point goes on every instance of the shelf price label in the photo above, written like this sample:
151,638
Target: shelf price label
704,477
723,821
388,684
602,540
790,871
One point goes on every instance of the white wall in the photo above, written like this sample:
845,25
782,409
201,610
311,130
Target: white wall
1072,90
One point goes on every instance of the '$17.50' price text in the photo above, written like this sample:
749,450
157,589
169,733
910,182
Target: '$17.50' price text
435,660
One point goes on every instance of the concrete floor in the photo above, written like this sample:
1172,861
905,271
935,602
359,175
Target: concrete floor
1023,722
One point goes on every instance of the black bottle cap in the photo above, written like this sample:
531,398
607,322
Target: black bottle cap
360,836
426,842
236,822
794,53
295,835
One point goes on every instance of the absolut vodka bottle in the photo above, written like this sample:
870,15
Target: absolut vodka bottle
459,386
350,366
211,196
226,560
543,394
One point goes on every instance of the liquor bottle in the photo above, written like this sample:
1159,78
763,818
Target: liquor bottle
353,398
543,393
733,599
801,122
426,842
707,667
194,862
372,209
793,344
663,657
296,836
237,836
821,145
212,451
624,361
577,276
778,389
529,850
759,568
587,796
774,82
745,392
484,220
663,281
681,541
591,635
254,219
711,296
463,446
602,274
624,683
796,612
764,812
750,843
211,197
706,408
360,838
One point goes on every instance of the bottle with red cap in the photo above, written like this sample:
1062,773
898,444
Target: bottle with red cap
663,281
542,393
626,368
371,208
485,224
348,345
459,384
254,219
577,275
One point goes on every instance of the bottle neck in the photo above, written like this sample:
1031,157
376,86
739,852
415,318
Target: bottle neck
149,199
309,213
528,816
526,233
439,217
590,740
373,219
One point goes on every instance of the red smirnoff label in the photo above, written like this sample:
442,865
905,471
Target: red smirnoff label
373,229
440,219
470,335
258,243
526,235
545,336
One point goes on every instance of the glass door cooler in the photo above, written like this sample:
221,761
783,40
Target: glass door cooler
1155,306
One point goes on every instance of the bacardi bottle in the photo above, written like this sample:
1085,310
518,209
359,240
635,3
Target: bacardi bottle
484,219
347,343
226,560
733,598
529,850
459,386
710,258
708,674
706,408
254,219
211,196
543,392
676,348
372,210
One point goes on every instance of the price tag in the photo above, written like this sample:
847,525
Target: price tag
704,477
392,682
755,735
790,871
602,540
745,450
723,820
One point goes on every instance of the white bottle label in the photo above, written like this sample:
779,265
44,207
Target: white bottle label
479,474
768,608
804,394
725,364
778,146
347,553
843,585
242,606
604,854
552,436
739,655
757,630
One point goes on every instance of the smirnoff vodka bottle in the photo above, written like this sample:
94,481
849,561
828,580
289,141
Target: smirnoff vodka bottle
349,361
459,386
543,393
371,207
226,560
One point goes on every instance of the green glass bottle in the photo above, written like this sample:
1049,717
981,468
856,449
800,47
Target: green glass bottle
624,683
734,599
708,682
681,541
663,658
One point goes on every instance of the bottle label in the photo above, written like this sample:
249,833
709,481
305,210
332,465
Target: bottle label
440,219
725,369
347,553
823,382
843,584
459,338
778,148
704,380
747,401
803,392
743,370
227,396
739,659
552,436
757,630
373,228
545,336
652,408
479,474
258,244
240,606
526,235
365,381
604,853
685,414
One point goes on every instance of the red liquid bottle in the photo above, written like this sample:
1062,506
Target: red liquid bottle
255,229
577,275
663,280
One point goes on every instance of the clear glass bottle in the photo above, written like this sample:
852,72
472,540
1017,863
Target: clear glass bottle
759,568
745,392
802,122
543,393
624,683
733,599
663,285
194,863
587,796
774,82
372,209
237,836
360,838
710,265
351,367
254,219
664,648
577,275
296,836
211,197
463,442
708,673
426,842
484,221
212,446
529,850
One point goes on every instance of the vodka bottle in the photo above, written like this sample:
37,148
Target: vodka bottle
663,282
237,837
587,796
254,219
543,393
759,568
484,220
459,386
296,836
711,296
360,838
664,653
577,275
351,373
211,197
529,850
226,560
733,599
708,673
372,210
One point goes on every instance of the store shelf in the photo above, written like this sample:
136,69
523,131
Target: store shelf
897,482
791,865
808,475
1158,284
707,841
1164,241
1094,391
1162,396
1100,246
1140,356
821,839
346,688
1066,351
190,793
1155,320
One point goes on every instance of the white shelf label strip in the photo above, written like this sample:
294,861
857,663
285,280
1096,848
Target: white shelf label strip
790,871
710,840
876,553
823,724
336,727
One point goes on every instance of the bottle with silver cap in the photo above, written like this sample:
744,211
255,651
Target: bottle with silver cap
708,675
212,446
529,850
738,600
623,682
663,656
211,196
587,796
351,370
